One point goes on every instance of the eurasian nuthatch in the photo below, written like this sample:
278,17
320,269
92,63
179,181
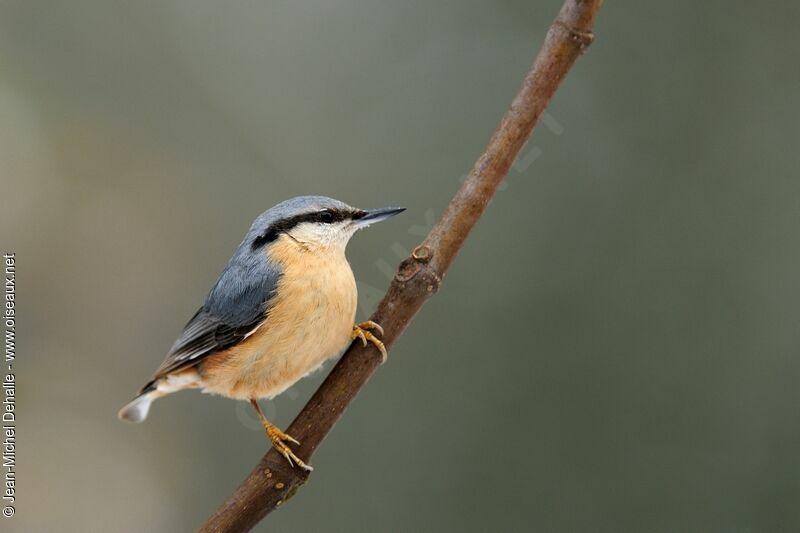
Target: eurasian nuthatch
283,305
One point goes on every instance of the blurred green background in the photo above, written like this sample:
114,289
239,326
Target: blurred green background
616,348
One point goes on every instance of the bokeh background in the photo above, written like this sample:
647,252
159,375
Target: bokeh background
616,348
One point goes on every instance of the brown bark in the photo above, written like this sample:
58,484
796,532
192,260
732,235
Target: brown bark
419,276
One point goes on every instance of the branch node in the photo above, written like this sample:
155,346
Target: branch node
412,265
434,281
422,253
416,267
407,270
582,38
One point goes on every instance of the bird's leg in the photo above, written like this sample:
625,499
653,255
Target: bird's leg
361,331
278,438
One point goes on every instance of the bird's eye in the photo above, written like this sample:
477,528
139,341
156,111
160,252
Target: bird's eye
326,217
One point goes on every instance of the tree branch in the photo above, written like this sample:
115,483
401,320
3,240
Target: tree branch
273,481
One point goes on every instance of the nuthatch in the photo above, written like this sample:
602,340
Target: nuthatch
284,304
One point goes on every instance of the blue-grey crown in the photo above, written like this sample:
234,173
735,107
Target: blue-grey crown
300,205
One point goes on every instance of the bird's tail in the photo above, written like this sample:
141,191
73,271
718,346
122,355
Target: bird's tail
136,411
139,407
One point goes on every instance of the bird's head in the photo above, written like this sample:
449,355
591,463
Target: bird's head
314,221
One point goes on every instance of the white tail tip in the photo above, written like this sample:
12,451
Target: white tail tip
136,411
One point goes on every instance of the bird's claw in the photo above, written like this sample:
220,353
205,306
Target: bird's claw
361,331
279,439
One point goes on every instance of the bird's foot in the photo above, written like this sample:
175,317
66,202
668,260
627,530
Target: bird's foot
279,440
362,331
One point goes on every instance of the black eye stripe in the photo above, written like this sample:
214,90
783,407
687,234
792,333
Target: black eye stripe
326,216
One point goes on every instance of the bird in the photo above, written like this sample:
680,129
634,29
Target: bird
283,305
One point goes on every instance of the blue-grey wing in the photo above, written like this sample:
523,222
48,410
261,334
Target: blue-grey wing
235,307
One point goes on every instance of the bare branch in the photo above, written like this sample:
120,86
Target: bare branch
273,481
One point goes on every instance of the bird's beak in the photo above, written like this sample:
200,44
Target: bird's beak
373,216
